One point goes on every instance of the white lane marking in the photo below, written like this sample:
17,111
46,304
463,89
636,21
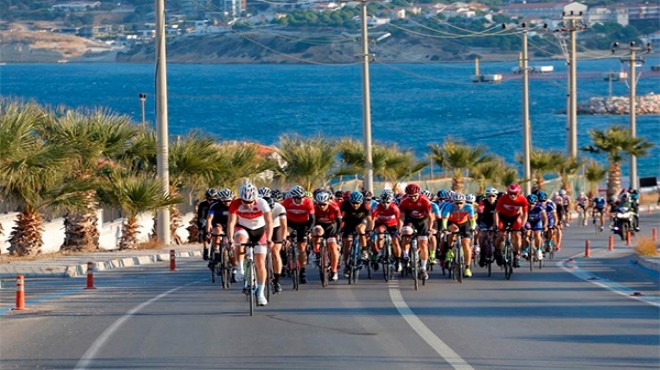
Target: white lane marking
604,283
423,331
88,357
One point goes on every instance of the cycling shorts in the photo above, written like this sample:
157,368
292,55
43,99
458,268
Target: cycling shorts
392,230
257,236
463,229
329,230
301,230
514,222
350,227
419,224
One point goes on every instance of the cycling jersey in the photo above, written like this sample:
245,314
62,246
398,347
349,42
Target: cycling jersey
550,209
582,200
511,207
535,217
202,213
277,212
329,215
599,203
220,213
457,215
566,200
388,216
354,215
415,209
435,209
487,213
298,212
250,216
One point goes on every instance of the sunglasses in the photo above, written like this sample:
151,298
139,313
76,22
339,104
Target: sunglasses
297,198
323,204
413,195
247,201
458,203
385,201
356,202
491,196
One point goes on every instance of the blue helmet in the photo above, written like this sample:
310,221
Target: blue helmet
443,194
543,196
356,197
532,199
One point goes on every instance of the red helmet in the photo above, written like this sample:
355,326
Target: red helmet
413,189
514,189
347,194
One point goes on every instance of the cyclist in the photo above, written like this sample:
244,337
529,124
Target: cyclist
417,215
278,215
250,219
537,222
459,216
356,215
553,233
216,221
300,217
433,242
558,200
511,211
386,219
202,212
485,219
328,222
599,204
566,201
581,205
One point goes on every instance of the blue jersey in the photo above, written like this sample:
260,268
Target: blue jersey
458,216
599,203
550,207
535,216
435,208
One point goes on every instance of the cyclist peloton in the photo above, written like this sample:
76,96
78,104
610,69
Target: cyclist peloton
300,217
328,222
278,215
459,217
250,219
356,216
386,217
511,211
202,213
417,215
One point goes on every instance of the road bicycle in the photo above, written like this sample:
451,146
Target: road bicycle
387,256
549,243
250,277
413,261
323,262
292,259
488,249
457,262
508,254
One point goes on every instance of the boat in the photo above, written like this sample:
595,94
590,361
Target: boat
615,76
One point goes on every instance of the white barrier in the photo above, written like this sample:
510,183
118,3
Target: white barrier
109,232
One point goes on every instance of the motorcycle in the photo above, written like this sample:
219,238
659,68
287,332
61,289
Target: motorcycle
622,222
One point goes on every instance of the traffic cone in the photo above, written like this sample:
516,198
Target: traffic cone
20,293
90,275
587,248
172,260
610,243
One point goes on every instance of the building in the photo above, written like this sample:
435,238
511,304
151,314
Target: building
552,11
234,8
602,14
76,6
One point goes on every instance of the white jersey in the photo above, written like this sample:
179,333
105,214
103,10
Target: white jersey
252,216
278,211
582,200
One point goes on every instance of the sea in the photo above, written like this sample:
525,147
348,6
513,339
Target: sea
412,105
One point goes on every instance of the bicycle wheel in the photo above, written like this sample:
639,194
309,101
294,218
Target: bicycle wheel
532,253
489,256
225,269
249,287
386,259
460,260
324,263
356,260
508,261
414,261
269,275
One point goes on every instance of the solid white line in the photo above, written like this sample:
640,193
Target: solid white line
604,283
423,331
88,357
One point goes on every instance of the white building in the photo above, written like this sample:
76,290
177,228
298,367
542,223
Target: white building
76,6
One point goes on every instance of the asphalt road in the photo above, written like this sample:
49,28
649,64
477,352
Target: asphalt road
149,317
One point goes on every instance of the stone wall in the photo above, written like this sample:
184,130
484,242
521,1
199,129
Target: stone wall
620,105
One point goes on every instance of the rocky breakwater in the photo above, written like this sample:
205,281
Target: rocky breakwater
646,104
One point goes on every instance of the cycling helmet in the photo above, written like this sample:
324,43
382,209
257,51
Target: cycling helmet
613,198
368,194
624,197
562,192
308,194
543,196
412,189
248,192
276,195
387,196
297,191
226,194
513,189
470,198
211,193
491,191
443,194
458,197
532,199
322,197
634,196
338,194
265,192
582,194
426,193
356,197
270,201
451,194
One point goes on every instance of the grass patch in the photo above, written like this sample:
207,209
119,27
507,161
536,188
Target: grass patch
646,247
150,244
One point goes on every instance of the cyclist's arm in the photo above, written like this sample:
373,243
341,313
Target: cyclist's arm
370,222
284,227
545,220
312,220
524,217
209,220
268,217
231,225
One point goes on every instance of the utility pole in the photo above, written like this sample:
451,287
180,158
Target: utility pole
162,159
143,100
632,59
572,22
366,105
527,134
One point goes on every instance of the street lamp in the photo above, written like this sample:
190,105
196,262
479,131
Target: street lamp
143,99
366,105
632,59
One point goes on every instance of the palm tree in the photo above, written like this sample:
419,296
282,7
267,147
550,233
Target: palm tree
509,176
134,194
489,172
308,162
567,166
236,161
97,138
389,163
616,142
457,158
34,173
541,163
595,173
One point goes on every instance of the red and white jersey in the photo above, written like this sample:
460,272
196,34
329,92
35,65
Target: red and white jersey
386,216
511,207
252,216
417,209
299,212
328,215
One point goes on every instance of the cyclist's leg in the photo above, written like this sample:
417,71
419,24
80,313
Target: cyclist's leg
465,242
277,257
240,237
260,253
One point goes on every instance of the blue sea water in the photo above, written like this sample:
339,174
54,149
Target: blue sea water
413,105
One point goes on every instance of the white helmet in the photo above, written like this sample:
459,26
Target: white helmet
562,192
248,192
322,197
470,198
491,191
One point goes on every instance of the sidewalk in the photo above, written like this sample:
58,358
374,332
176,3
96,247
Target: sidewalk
76,265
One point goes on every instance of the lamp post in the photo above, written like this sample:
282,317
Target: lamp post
366,105
527,134
162,158
632,59
143,99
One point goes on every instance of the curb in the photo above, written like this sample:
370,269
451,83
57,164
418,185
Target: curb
649,263
81,269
